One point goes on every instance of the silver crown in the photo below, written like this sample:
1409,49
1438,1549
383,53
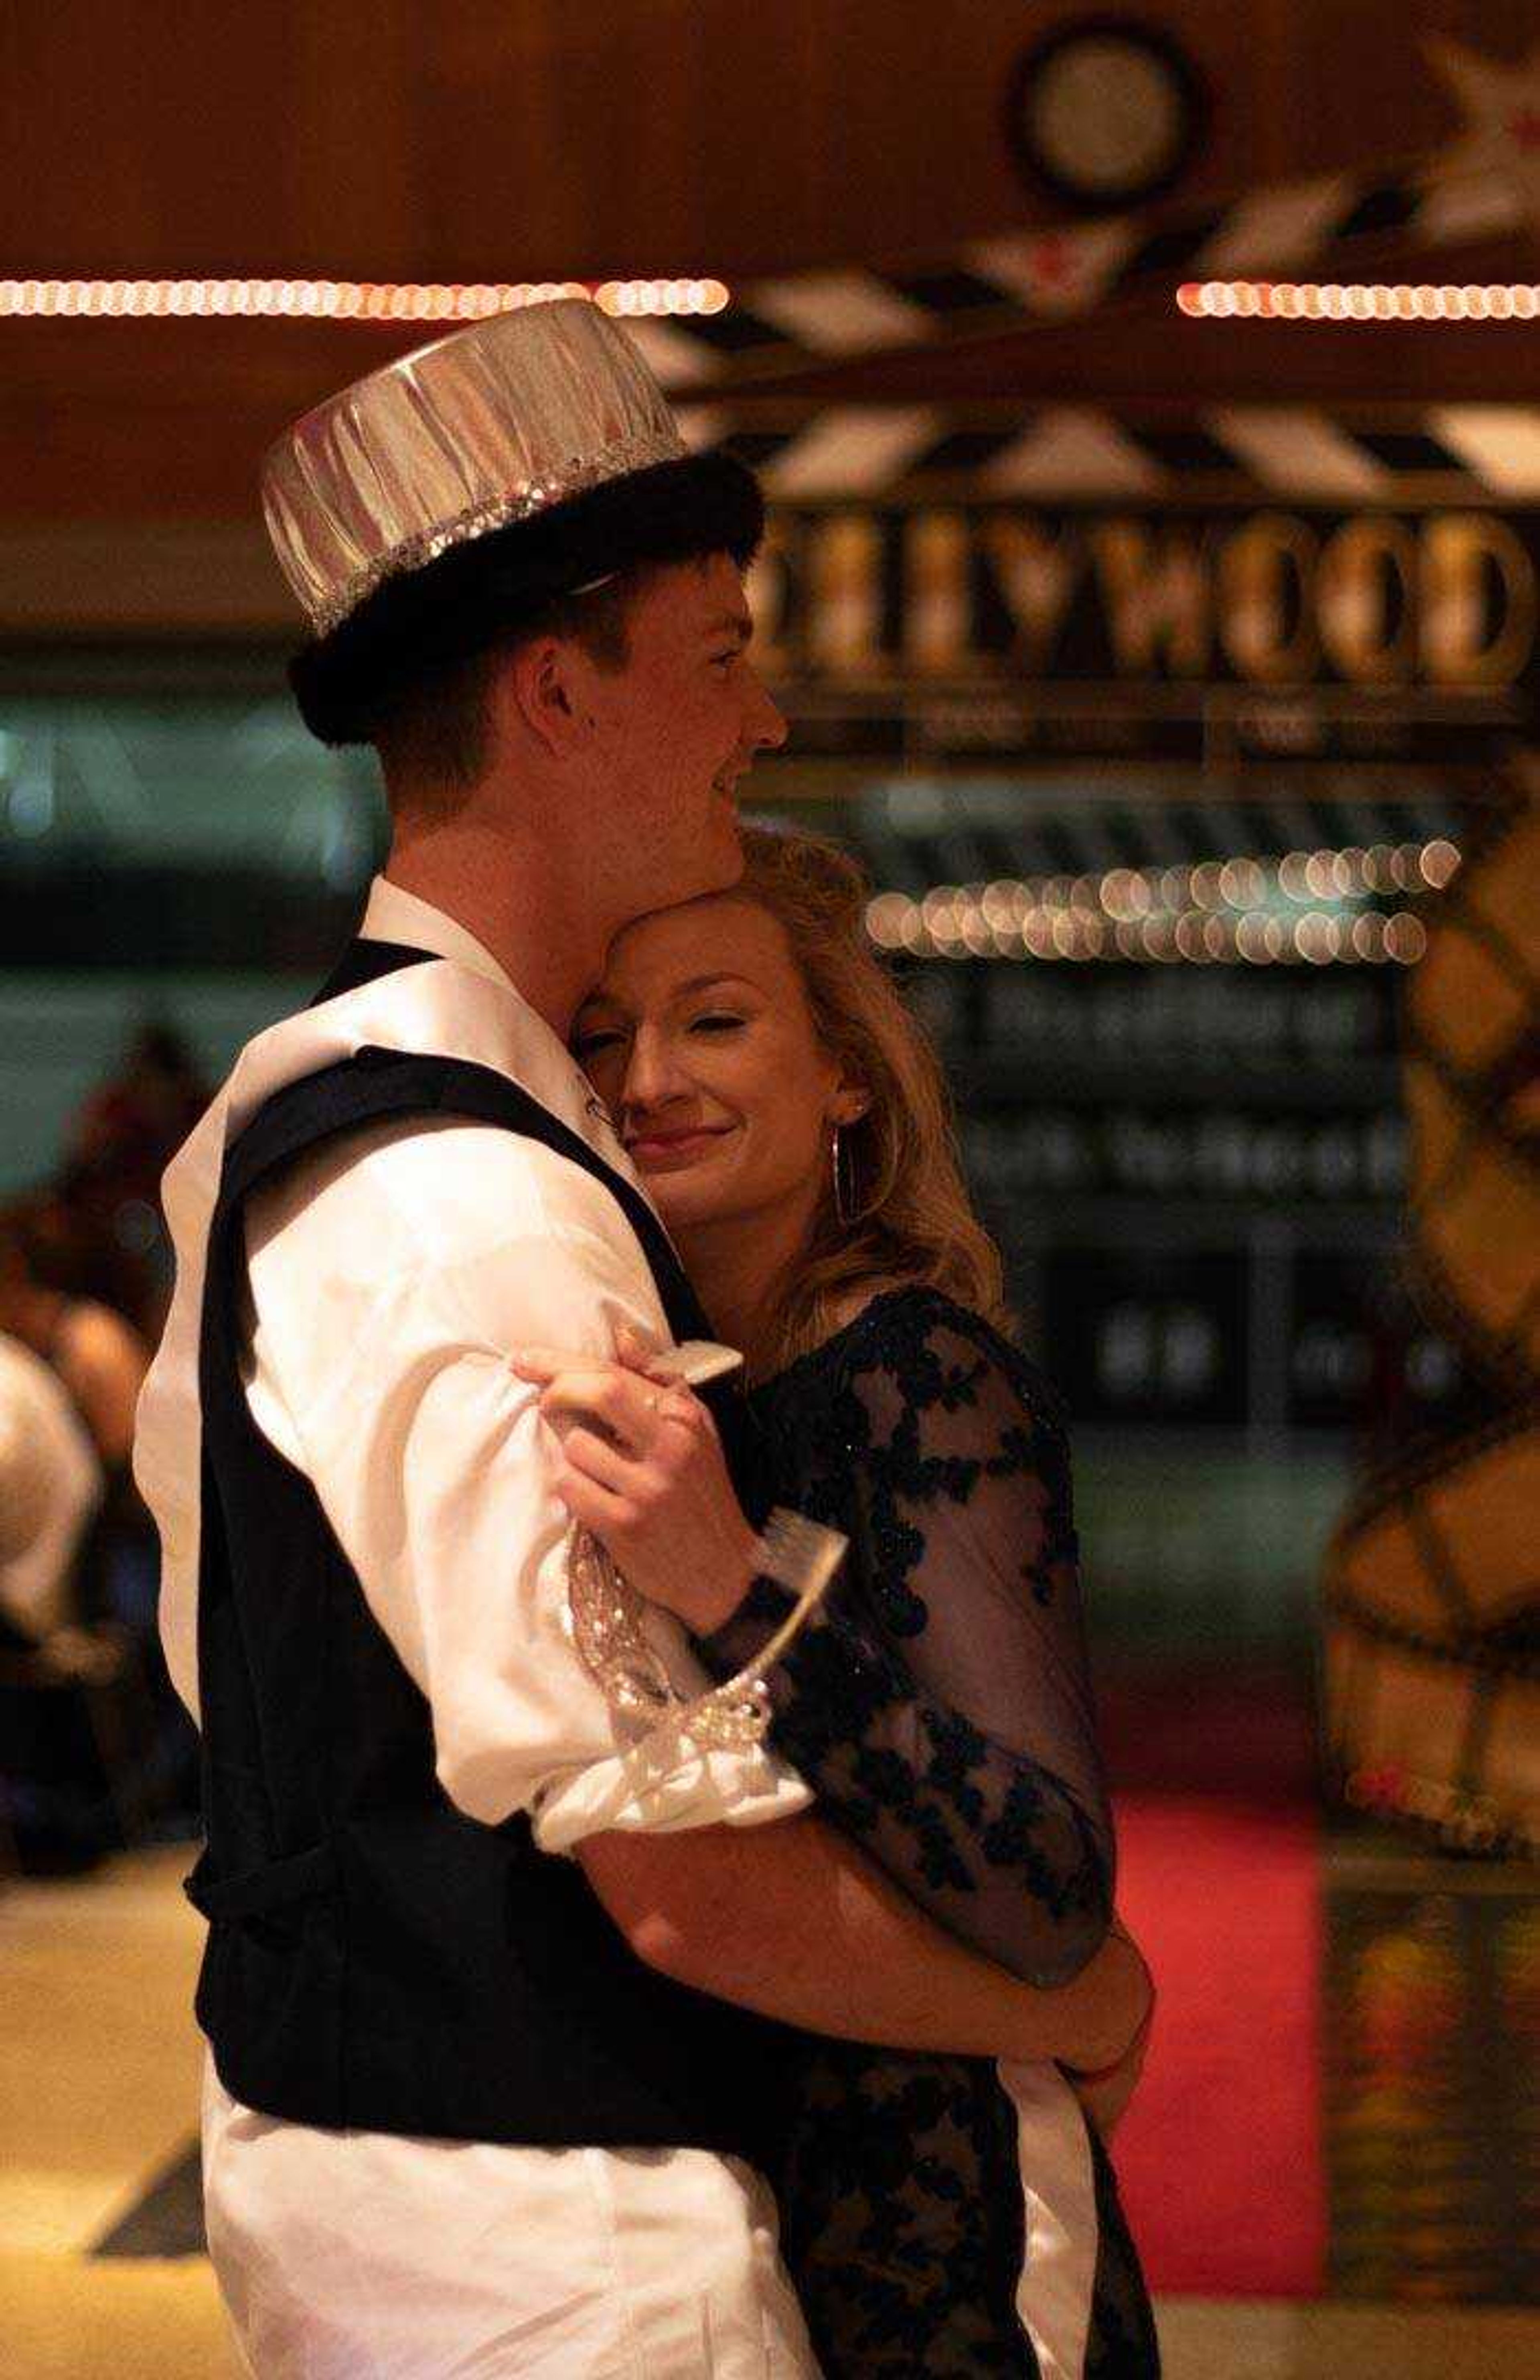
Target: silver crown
493,423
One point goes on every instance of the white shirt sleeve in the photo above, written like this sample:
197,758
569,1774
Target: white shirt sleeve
391,1277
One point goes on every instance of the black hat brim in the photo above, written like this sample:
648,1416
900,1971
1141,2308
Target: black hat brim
484,591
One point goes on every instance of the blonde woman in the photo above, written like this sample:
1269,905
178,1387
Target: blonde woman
791,1126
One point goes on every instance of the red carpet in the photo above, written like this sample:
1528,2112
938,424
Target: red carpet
1220,2158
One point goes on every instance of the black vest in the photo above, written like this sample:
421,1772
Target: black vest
375,1959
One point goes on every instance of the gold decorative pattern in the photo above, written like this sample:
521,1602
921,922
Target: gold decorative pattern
1432,1581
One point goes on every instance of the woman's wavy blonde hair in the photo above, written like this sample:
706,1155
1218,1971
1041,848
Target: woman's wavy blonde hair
912,1221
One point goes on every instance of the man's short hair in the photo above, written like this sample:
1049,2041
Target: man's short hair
437,734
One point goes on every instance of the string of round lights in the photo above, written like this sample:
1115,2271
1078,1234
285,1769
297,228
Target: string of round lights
1253,912
347,301
1375,301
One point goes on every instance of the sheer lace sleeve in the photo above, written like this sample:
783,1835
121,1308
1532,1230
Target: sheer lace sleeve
941,1708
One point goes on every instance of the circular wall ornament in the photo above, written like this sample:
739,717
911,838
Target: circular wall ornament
1104,112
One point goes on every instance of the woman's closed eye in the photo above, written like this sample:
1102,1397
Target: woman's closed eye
597,1037
717,1021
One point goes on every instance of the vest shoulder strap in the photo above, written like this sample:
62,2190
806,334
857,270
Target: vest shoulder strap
375,1084
366,962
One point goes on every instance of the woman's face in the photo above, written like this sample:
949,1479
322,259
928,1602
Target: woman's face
700,1042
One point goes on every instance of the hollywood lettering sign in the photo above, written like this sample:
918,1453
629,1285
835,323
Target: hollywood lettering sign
861,598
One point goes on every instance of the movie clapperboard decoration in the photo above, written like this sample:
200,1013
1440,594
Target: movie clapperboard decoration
770,375
1432,1581
802,322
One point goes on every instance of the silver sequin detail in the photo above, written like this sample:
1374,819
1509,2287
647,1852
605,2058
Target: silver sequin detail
608,1631
479,520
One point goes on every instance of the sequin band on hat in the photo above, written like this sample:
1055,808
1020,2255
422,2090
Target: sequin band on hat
476,519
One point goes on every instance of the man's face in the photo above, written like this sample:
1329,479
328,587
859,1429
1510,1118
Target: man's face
676,729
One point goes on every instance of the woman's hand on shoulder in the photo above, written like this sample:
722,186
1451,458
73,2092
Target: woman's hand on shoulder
642,1467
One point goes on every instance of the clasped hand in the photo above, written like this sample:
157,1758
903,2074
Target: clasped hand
642,1467
1106,2095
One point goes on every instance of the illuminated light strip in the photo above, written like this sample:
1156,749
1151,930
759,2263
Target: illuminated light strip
1216,910
1375,301
347,301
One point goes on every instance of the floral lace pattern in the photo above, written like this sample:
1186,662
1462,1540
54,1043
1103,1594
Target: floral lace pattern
940,1709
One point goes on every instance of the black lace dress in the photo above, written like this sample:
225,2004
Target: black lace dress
941,1710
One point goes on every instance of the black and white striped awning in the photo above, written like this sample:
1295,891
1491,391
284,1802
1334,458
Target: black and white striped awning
806,321
874,452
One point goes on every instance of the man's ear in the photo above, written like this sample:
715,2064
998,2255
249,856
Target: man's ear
540,689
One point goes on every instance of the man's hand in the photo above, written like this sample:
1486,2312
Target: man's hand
642,1467
1105,2096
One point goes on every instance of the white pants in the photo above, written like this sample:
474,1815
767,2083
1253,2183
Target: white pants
362,2256
1060,2226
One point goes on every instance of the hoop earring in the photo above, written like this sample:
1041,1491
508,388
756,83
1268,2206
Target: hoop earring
842,1174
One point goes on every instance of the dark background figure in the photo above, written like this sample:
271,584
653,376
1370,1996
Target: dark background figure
69,1792
52,1786
107,1213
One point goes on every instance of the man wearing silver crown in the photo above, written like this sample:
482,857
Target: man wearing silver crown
472,2105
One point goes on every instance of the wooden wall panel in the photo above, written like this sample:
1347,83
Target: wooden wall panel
540,138
138,141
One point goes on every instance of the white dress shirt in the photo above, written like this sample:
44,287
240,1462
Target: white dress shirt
391,1276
